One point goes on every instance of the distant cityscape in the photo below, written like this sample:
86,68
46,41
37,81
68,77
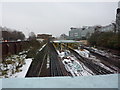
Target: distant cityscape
75,33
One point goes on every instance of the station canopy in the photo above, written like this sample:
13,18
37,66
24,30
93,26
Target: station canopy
66,41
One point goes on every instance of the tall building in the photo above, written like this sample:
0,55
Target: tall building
74,33
81,33
118,18
86,31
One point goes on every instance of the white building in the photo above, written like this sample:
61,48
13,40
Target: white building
107,28
81,33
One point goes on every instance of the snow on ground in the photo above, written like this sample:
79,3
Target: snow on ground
72,65
48,62
104,53
23,52
98,62
24,69
94,59
63,53
15,66
42,47
85,53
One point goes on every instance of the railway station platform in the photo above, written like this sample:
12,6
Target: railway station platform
99,81
71,43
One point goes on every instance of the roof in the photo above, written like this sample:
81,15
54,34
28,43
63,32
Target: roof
66,41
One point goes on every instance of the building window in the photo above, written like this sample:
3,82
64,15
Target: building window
71,34
75,34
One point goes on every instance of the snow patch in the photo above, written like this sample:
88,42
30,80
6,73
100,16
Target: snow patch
85,53
24,69
42,47
72,65
15,66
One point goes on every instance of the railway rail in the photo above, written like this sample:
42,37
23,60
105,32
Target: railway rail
35,67
109,62
56,66
39,68
96,69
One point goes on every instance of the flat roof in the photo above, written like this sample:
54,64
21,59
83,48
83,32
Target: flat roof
66,41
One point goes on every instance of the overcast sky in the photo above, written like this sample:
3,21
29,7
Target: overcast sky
55,17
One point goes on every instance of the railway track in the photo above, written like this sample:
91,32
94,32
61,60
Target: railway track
35,67
39,68
56,66
96,69
43,70
109,62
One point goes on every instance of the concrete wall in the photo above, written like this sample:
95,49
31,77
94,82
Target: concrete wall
103,82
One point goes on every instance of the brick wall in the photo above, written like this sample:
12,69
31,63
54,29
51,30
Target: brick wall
10,48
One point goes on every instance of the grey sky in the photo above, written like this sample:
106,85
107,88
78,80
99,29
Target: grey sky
56,18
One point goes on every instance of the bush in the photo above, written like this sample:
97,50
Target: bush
105,39
34,46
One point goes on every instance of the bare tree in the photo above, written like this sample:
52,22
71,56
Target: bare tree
32,36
